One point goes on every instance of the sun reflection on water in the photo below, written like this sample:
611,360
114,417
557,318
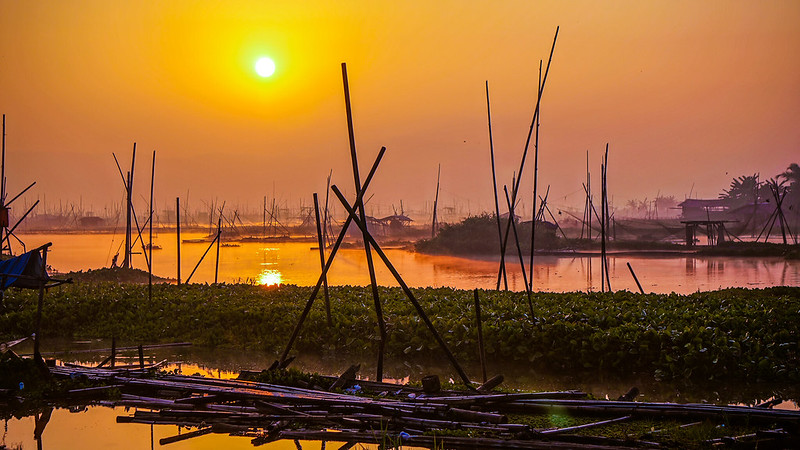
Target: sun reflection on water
269,277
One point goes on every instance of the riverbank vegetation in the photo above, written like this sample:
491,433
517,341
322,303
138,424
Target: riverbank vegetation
729,334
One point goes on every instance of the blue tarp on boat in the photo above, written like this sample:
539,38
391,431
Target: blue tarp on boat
23,271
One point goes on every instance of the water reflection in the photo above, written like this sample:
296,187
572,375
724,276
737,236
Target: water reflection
298,263
269,277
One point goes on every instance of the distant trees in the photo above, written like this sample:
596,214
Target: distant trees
744,190
661,207
748,189
792,177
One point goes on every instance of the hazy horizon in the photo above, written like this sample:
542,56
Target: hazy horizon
688,95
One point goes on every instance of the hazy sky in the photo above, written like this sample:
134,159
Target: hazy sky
688,94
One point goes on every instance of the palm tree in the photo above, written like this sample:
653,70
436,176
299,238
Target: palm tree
746,189
792,200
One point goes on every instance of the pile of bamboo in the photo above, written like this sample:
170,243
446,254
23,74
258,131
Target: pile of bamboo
388,414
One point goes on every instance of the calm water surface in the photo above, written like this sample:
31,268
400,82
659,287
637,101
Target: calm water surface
96,427
298,263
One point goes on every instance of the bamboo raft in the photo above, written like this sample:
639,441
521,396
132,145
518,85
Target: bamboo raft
390,414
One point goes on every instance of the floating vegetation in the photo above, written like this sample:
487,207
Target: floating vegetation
729,334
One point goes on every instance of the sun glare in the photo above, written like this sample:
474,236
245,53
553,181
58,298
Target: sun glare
269,277
265,67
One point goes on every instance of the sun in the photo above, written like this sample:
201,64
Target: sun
265,67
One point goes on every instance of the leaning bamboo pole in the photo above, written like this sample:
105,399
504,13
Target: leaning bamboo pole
496,201
535,182
321,241
515,189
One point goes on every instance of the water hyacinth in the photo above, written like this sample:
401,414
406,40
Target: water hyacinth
733,333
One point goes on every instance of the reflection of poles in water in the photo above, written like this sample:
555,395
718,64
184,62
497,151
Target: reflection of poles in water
41,421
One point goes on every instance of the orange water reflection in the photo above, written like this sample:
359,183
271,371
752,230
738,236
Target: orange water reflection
298,263
269,277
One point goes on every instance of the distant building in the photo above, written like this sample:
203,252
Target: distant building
701,209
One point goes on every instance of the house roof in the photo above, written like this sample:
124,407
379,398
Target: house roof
703,203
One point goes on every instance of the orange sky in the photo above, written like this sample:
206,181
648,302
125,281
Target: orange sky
688,94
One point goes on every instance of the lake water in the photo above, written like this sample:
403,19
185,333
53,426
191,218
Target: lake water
96,427
298,263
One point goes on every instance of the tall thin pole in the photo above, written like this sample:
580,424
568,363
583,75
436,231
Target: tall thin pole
219,238
129,194
150,265
481,350
602,230
178,228
589,205
264,220
3,189
40,305
496,200
325,216
322,261
535,181
362,216
334,249
3,168
608,216
435,203
515,188
126,259
519,250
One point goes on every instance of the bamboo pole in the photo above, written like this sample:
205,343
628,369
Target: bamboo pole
602,229
365,233
607,218
635,278
434,224
219,238
334,249
322,261
535,181
126,262
515,189
216,238
519,251
150,262
40,303
496,201
178,229
479,323
405,288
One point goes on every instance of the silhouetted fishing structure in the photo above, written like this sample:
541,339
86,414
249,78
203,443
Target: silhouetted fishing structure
7,231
